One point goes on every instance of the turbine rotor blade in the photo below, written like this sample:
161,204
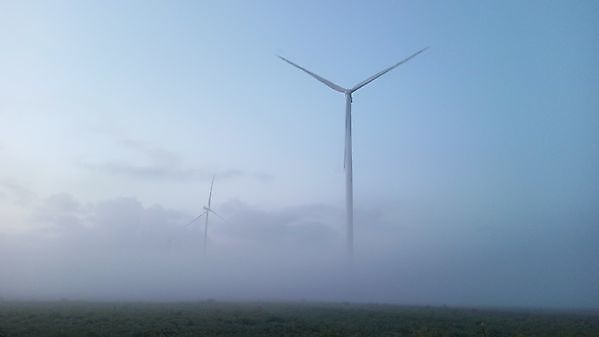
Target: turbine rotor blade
195,219
345,154
346,150
210,193
347,130
382,72
320,78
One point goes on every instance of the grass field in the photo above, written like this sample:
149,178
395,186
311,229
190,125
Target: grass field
81,319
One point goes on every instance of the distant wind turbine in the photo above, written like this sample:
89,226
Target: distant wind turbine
349,203
207,210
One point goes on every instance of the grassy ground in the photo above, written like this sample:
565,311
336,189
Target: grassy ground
280,319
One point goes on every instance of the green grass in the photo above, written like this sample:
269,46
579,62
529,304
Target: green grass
54,319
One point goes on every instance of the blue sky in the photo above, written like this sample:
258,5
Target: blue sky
492,130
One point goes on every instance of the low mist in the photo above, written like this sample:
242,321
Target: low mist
120,249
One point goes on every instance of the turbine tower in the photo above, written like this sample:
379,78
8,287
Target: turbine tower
349,198
207,210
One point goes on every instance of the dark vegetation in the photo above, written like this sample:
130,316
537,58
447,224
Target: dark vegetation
54,319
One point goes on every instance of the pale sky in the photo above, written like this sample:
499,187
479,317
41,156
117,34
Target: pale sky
474,163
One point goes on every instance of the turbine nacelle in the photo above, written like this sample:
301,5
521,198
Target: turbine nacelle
348,95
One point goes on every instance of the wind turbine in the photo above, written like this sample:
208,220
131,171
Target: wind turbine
349,198
207,210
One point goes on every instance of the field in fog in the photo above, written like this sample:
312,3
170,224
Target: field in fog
281,319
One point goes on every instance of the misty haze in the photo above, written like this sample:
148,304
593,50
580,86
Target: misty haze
400,169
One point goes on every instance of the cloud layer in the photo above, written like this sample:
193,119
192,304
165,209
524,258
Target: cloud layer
162,164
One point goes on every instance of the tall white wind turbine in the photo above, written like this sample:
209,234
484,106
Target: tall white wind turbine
349,202
207,210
